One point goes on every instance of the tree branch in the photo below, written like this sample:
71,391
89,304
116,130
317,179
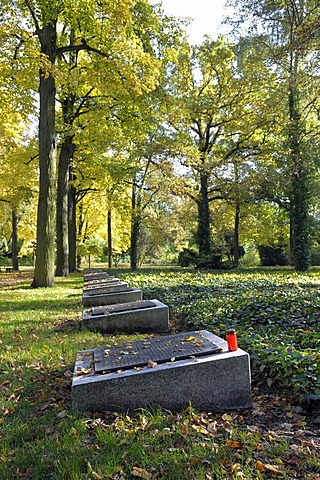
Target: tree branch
83,46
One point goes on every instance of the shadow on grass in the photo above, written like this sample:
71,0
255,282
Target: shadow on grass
33,305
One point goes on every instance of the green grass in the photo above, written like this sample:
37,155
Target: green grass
276,314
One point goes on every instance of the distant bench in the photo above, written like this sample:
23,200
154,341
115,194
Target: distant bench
8,269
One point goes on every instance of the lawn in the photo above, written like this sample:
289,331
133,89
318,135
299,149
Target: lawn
276,315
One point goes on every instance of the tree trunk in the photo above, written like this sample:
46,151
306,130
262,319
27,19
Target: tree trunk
135,231
66,158
72,227
291,233
299,177
66,153
236,235
46,220
109,239
14,241
204,238
80,230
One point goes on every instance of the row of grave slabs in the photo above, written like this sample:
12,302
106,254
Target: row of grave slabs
167,370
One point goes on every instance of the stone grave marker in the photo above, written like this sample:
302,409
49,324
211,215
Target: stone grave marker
169,371
97,276
123,295
106,288
141,316
102,281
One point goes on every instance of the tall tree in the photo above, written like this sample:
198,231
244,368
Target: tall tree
213,117
43,18
290,28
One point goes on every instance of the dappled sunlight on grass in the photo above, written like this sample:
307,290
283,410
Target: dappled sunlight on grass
276,314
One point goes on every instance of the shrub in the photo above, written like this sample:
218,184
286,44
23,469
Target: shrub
272,256
212,260
187,258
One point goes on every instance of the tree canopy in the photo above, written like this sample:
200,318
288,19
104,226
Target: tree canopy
152,145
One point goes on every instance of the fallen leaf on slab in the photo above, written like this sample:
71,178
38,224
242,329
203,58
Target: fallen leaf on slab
189,339
152,364
83,371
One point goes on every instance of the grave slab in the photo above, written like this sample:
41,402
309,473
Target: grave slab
97,276
106,281
87,271
146,316
124,295
105,287
169,371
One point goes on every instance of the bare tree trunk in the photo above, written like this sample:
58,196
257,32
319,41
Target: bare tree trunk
80,229
204,240
109,239
236,235
67,149
72,227
46,221
14,241
135,231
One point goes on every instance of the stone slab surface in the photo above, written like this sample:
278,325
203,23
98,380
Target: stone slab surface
123,307
161,349
213,382
146,316
87,271
129,295
100,281
106,288
96,276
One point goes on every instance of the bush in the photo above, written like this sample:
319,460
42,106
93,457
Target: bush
187,258
212,260
272,256
315,256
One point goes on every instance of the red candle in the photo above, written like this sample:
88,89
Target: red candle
231,338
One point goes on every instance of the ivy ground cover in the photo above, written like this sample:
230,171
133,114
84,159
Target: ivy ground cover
41,437
276,314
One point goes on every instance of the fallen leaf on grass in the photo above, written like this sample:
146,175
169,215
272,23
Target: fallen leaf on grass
200,429
62,414
96,476
5,383
233,444
226,417
141,473
266,467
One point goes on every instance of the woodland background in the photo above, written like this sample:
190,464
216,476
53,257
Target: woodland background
119,139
